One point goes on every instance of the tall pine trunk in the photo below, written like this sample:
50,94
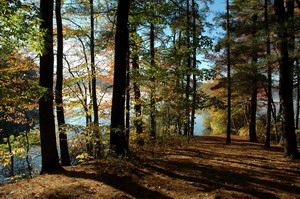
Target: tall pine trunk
228,137
153,87
252,127
291,23
298,94
94,86
285,83
127,121
188,76
63,140
50,159
269,90
138,122
117,133
194,94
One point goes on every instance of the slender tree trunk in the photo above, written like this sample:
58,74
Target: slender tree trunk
252,127
228,137
117,133
50,159
127,122
291,24
94,89
285,83
194,68
27,148
153,87
269,93
138,122
85,104
179,80
188,76
298,94
63,140
12,161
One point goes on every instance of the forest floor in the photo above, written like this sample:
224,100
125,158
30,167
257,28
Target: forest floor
206,168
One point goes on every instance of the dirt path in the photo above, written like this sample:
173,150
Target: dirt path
207,168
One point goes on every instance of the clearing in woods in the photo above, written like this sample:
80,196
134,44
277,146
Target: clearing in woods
207,168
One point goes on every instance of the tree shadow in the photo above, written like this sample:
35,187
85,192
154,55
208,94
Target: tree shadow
210,179
203,167
122,183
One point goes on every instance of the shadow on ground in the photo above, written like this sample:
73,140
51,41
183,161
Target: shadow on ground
205,168
240,169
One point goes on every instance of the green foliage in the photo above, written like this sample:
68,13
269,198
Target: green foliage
18,154
215,119
19,26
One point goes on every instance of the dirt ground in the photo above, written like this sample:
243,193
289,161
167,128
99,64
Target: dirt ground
207,168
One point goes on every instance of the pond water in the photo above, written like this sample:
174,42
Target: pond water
198,130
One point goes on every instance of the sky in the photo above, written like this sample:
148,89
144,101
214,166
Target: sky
216,7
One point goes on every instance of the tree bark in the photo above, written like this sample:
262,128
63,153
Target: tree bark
285,83
252,127
12,161
194,93
50,159
228,130
152,89
298,94
127,121
137,97
94,86
117,133
188,76
269,93
63,139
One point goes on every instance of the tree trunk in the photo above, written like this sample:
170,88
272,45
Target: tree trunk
94,89
188,76
50,159
117,133
138,122
291,25
194,94
228,137
12,162
63,140
252,127
269,93
152,89
27,148
298,94
285,83
127,122
86,106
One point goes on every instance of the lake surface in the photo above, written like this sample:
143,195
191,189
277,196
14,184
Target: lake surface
199,125
37,160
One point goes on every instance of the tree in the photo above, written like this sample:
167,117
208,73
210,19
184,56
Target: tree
254,81
152,87
117,132
269,91
94,91
194,89
50,159
285,82
138,122
188,68
127,106
18,113
228,137
63,139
